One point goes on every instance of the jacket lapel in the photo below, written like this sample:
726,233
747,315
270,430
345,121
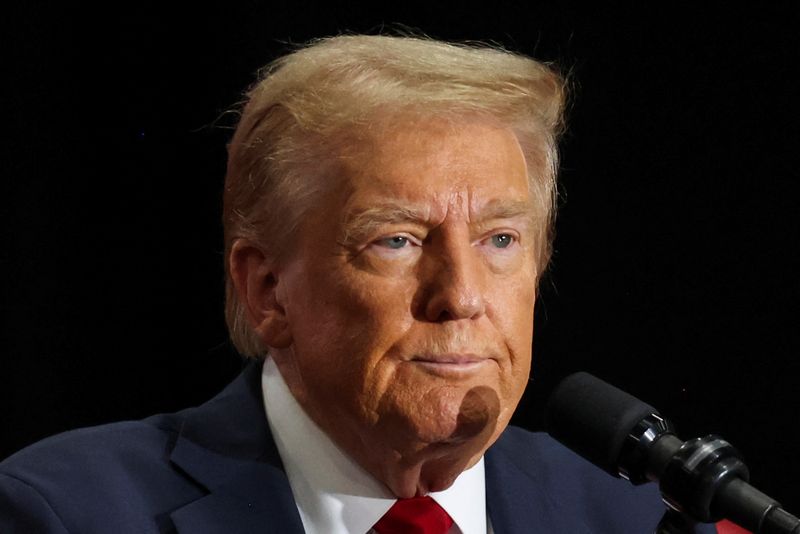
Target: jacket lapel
225,446
516,499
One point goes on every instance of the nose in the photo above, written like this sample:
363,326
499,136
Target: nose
455,287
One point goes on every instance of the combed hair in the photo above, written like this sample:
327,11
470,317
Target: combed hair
305,102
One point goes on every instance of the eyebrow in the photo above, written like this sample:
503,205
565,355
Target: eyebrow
506,209
362,222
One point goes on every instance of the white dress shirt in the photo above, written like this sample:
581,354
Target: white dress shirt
334,495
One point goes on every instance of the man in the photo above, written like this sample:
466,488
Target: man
388,207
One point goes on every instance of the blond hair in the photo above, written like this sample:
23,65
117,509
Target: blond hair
304,101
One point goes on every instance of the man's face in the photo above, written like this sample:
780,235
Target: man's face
410,292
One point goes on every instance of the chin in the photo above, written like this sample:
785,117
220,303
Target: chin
445,421
440,473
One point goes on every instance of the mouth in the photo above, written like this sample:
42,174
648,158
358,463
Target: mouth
451,364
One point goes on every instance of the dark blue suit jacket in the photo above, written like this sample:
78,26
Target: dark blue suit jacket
214,469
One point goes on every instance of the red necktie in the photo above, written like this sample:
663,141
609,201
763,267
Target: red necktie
418,515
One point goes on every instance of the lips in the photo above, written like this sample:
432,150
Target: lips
450,358
451,365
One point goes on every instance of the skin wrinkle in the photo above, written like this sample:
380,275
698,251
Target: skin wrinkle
360,225
361,317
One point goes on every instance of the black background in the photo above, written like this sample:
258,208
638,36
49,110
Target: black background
675,272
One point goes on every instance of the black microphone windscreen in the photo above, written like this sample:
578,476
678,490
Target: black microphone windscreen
593,418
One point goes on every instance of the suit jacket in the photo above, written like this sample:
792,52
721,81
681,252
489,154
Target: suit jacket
215,469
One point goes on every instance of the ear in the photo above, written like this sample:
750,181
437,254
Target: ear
255,278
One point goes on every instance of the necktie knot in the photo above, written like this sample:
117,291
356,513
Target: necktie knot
418,515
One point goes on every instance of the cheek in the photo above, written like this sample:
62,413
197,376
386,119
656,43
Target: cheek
512,315
344,322
512,301
365,309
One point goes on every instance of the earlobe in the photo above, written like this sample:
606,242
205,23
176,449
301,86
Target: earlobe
274,331
256,279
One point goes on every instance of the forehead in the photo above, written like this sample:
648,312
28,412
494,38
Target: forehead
464,163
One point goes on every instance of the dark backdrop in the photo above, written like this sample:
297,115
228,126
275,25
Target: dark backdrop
676,267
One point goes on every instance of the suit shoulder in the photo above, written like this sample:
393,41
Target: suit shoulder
120,471
78,460
85,448
571,485
544,459
574,486
535,451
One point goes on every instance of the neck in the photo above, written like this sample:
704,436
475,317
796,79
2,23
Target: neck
408,462
407,477
409,467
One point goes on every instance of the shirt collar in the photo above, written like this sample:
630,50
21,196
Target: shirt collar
334,495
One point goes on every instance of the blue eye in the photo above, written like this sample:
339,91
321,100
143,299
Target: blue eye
394,242
502,240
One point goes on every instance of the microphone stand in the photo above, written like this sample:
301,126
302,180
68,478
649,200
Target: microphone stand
702,479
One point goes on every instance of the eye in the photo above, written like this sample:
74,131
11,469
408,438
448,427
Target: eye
394,242
502,240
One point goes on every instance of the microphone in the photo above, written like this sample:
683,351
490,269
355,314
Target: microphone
702,478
